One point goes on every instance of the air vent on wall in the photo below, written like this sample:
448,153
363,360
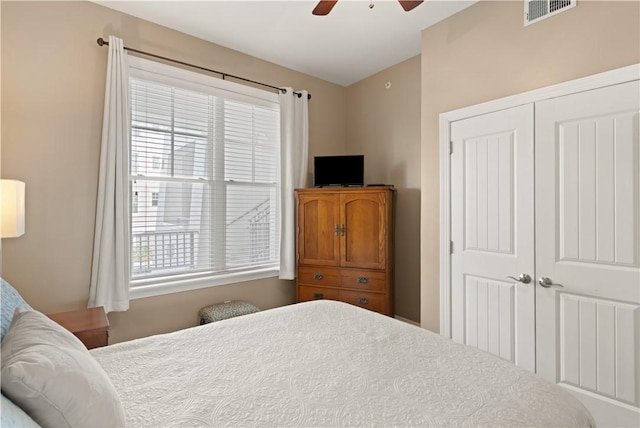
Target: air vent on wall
537,10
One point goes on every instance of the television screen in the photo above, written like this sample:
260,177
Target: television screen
338,170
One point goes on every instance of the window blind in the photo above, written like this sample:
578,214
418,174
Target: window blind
203,175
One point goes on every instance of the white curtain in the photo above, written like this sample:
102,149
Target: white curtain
294,153
110,269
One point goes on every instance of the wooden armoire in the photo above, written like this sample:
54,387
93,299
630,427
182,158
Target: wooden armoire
345,246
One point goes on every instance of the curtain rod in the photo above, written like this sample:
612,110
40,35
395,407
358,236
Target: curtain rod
102,42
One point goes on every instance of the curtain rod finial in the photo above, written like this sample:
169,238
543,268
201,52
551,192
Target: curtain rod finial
101,41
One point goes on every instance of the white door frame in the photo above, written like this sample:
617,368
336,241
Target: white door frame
613,77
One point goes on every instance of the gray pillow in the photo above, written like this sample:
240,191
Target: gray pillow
49,373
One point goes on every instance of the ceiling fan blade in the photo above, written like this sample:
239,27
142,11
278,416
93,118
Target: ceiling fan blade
409,5
324,7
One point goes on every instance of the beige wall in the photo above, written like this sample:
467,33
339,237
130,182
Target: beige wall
53,75
384,125
483,53
52,93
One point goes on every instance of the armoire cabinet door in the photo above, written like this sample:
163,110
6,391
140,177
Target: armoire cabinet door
318,229
365,229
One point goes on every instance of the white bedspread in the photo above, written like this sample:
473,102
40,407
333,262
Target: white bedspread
325,364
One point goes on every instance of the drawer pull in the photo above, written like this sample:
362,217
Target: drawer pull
318,296
363,301
318,276
363,280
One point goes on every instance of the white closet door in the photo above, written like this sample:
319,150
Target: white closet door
588,241
493,234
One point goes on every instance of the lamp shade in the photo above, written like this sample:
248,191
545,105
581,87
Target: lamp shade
12,208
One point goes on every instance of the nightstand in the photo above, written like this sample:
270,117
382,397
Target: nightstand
90,325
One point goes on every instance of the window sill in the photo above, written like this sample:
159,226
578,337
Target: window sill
177,286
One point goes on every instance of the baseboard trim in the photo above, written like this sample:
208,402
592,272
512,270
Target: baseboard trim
407,321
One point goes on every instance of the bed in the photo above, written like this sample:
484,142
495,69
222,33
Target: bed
320,363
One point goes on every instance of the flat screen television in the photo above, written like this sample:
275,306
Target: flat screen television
338,170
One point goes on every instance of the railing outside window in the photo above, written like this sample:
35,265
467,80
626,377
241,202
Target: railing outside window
162,250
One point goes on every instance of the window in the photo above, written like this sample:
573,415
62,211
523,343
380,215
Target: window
206,174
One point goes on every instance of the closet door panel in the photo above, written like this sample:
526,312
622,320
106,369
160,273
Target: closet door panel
588,246
492,234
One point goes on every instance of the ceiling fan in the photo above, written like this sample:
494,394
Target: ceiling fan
324,6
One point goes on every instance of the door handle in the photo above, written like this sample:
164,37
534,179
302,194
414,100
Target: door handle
547,282
523,278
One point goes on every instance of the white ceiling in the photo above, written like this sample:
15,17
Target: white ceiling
349,44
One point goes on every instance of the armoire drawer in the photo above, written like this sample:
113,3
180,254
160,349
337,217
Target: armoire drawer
326,277
363,279
306,293
372,301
